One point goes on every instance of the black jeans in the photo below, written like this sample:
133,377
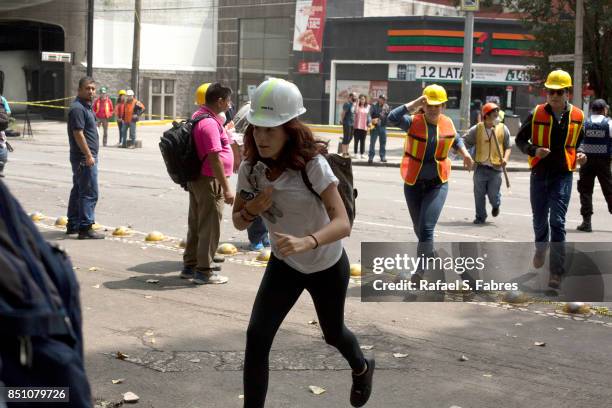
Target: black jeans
280,288
594,167
360,137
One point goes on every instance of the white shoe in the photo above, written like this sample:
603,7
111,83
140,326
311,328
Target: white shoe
362,157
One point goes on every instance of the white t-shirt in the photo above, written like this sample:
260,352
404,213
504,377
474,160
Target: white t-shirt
296,210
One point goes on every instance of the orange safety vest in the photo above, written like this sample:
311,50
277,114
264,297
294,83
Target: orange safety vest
541,130
416,144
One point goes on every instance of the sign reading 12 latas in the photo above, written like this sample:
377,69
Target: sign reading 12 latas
480,73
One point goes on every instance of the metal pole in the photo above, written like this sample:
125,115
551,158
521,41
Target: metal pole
90,23
577,99
136,48
466,81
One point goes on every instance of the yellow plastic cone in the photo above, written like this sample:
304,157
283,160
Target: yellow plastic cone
37,216
121,231
61,221
264,255
154,236
227,249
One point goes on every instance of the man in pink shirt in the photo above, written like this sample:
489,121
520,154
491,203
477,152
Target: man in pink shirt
208,193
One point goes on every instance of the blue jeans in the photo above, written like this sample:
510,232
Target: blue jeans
257,231
123,133
487,182
378,131
425,201
83,196
3,158
550,196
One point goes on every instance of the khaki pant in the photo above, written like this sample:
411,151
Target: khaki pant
205,215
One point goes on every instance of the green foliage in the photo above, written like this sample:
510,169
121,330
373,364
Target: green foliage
552,22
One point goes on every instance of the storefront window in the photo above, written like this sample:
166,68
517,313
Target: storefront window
258,61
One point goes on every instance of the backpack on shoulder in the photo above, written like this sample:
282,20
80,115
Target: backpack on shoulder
179,151
40,313
343,170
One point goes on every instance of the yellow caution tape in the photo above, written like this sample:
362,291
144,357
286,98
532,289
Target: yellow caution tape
50,100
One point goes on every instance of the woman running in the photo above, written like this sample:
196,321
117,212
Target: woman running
305,232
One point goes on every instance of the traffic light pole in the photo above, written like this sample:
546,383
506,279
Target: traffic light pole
466,80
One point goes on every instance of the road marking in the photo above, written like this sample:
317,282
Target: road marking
438,231
505,212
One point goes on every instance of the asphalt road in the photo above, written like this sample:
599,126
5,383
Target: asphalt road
185,343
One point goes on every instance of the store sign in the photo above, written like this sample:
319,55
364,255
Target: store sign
305,67
53,56
454,73
309,25
469,5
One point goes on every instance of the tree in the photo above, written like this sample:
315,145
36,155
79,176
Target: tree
552,22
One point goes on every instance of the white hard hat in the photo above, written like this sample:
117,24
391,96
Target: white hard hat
130,92
274,102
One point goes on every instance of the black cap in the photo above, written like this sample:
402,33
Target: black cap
382,96
599,105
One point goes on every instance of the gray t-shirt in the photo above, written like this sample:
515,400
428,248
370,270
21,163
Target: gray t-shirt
297,211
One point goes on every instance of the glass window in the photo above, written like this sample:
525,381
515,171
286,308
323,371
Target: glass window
156,86
169,86
252,28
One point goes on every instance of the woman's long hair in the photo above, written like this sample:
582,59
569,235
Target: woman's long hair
365,102
299,149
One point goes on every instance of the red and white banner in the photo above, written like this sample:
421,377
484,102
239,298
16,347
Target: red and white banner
309,25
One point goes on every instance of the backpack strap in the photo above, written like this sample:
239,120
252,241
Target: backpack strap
308,183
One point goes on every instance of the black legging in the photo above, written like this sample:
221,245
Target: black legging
280,288
360,137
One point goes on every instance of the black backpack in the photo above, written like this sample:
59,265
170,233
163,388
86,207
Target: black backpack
179,151
40,313
343,170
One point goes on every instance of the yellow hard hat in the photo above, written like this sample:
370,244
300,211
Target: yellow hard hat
558,79
121,92
435,94
200,95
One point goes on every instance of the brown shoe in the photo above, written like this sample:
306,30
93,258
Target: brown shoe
539,258
554,281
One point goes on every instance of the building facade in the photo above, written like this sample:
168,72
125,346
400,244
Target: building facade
363,47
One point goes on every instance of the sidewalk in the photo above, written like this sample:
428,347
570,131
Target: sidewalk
395,148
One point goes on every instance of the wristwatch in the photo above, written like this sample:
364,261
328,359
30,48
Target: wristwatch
246,195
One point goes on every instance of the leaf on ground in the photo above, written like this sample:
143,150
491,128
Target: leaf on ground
121,356
463,358
539,344
93,269
130,397
316,390
366,347
400,355
152,280
118,381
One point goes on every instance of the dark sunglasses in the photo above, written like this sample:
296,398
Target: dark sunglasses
556,92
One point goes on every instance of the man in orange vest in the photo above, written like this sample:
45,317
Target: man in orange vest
119,114
551,136
103,108
132,109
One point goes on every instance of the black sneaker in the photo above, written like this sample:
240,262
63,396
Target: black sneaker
90,234
495,211
383,160
370,161
478,221
71,231
362,385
